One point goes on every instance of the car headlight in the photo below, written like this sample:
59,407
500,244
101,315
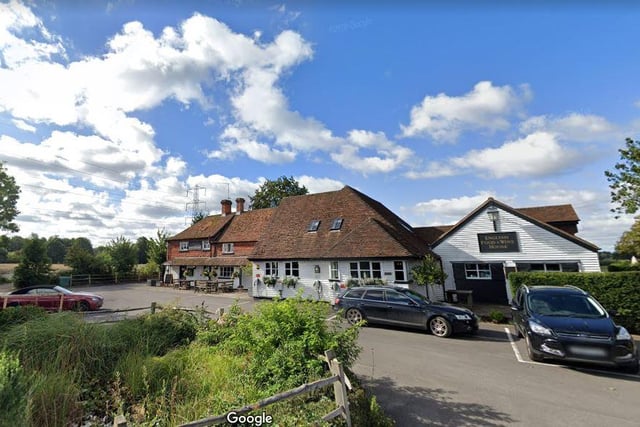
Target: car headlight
463,317
537,328
623,334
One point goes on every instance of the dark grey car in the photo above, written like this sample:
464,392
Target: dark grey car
403,307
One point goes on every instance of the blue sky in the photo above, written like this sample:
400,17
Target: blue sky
110,111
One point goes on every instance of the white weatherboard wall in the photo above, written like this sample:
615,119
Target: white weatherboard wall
536,245
317,286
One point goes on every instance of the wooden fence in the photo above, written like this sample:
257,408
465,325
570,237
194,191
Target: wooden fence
340,385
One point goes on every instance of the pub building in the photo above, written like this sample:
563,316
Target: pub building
479,252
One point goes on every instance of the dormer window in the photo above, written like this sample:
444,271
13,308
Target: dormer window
336,224
313,225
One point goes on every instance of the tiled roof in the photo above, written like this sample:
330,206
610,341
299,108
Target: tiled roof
519,212
206,227
247,227
369,229
551,214
431,234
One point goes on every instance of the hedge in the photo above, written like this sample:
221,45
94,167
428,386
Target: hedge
615,291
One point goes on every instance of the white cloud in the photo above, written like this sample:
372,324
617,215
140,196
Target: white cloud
456,207
388,155
486,107
538,154
572,127
319,185
22,125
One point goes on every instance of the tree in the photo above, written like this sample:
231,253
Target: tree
198,216
9,193
56,249
35,266
624,182
429,272
83,261
142,246
157,249
629,243
270,193
123,255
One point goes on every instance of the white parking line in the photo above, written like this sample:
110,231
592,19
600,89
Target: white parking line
521,360
517,352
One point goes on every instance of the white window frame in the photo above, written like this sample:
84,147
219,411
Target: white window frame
363,272
271,268
226,272
403,270
206,245
479,271
184,246
227,248
334,271
292,269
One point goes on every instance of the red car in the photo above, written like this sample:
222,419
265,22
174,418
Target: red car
52,298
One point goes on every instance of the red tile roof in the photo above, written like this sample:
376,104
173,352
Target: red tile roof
206,227
552,213
369,229
247,227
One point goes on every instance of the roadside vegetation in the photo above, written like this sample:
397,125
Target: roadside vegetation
172,367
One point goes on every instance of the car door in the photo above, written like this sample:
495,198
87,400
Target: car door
517,310
48,299
375,307
404,310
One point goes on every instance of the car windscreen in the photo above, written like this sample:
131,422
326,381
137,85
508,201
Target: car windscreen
570,305
62,290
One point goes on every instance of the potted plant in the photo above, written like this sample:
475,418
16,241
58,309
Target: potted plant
290,282
353,282
210,274
270,281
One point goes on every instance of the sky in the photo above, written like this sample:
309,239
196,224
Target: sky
117,118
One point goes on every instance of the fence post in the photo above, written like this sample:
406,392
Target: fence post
61,303
339,387
153,307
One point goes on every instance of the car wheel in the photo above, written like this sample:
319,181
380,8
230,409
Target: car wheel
440,327
530,352
82,306
354,316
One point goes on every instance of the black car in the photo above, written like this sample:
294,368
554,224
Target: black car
403,307
566,323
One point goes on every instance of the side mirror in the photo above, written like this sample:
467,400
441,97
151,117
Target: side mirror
412,303
515,306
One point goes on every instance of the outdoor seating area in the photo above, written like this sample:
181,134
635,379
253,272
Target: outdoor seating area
205,286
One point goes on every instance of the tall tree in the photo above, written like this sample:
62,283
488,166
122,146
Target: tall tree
142,246
56,249
9,193
83,243
270,193
123,254
157,251
81,260
35,266
624,181
629,243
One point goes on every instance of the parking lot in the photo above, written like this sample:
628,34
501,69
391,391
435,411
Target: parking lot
484,380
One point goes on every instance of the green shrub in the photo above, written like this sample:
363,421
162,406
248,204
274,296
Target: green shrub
14,387
11,316
617,266
55,400
615,291
497,316
284,340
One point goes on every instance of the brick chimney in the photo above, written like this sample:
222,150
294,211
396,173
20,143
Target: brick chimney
239,205
226,207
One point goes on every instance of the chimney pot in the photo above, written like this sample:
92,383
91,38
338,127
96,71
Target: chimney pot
239,205
226,207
